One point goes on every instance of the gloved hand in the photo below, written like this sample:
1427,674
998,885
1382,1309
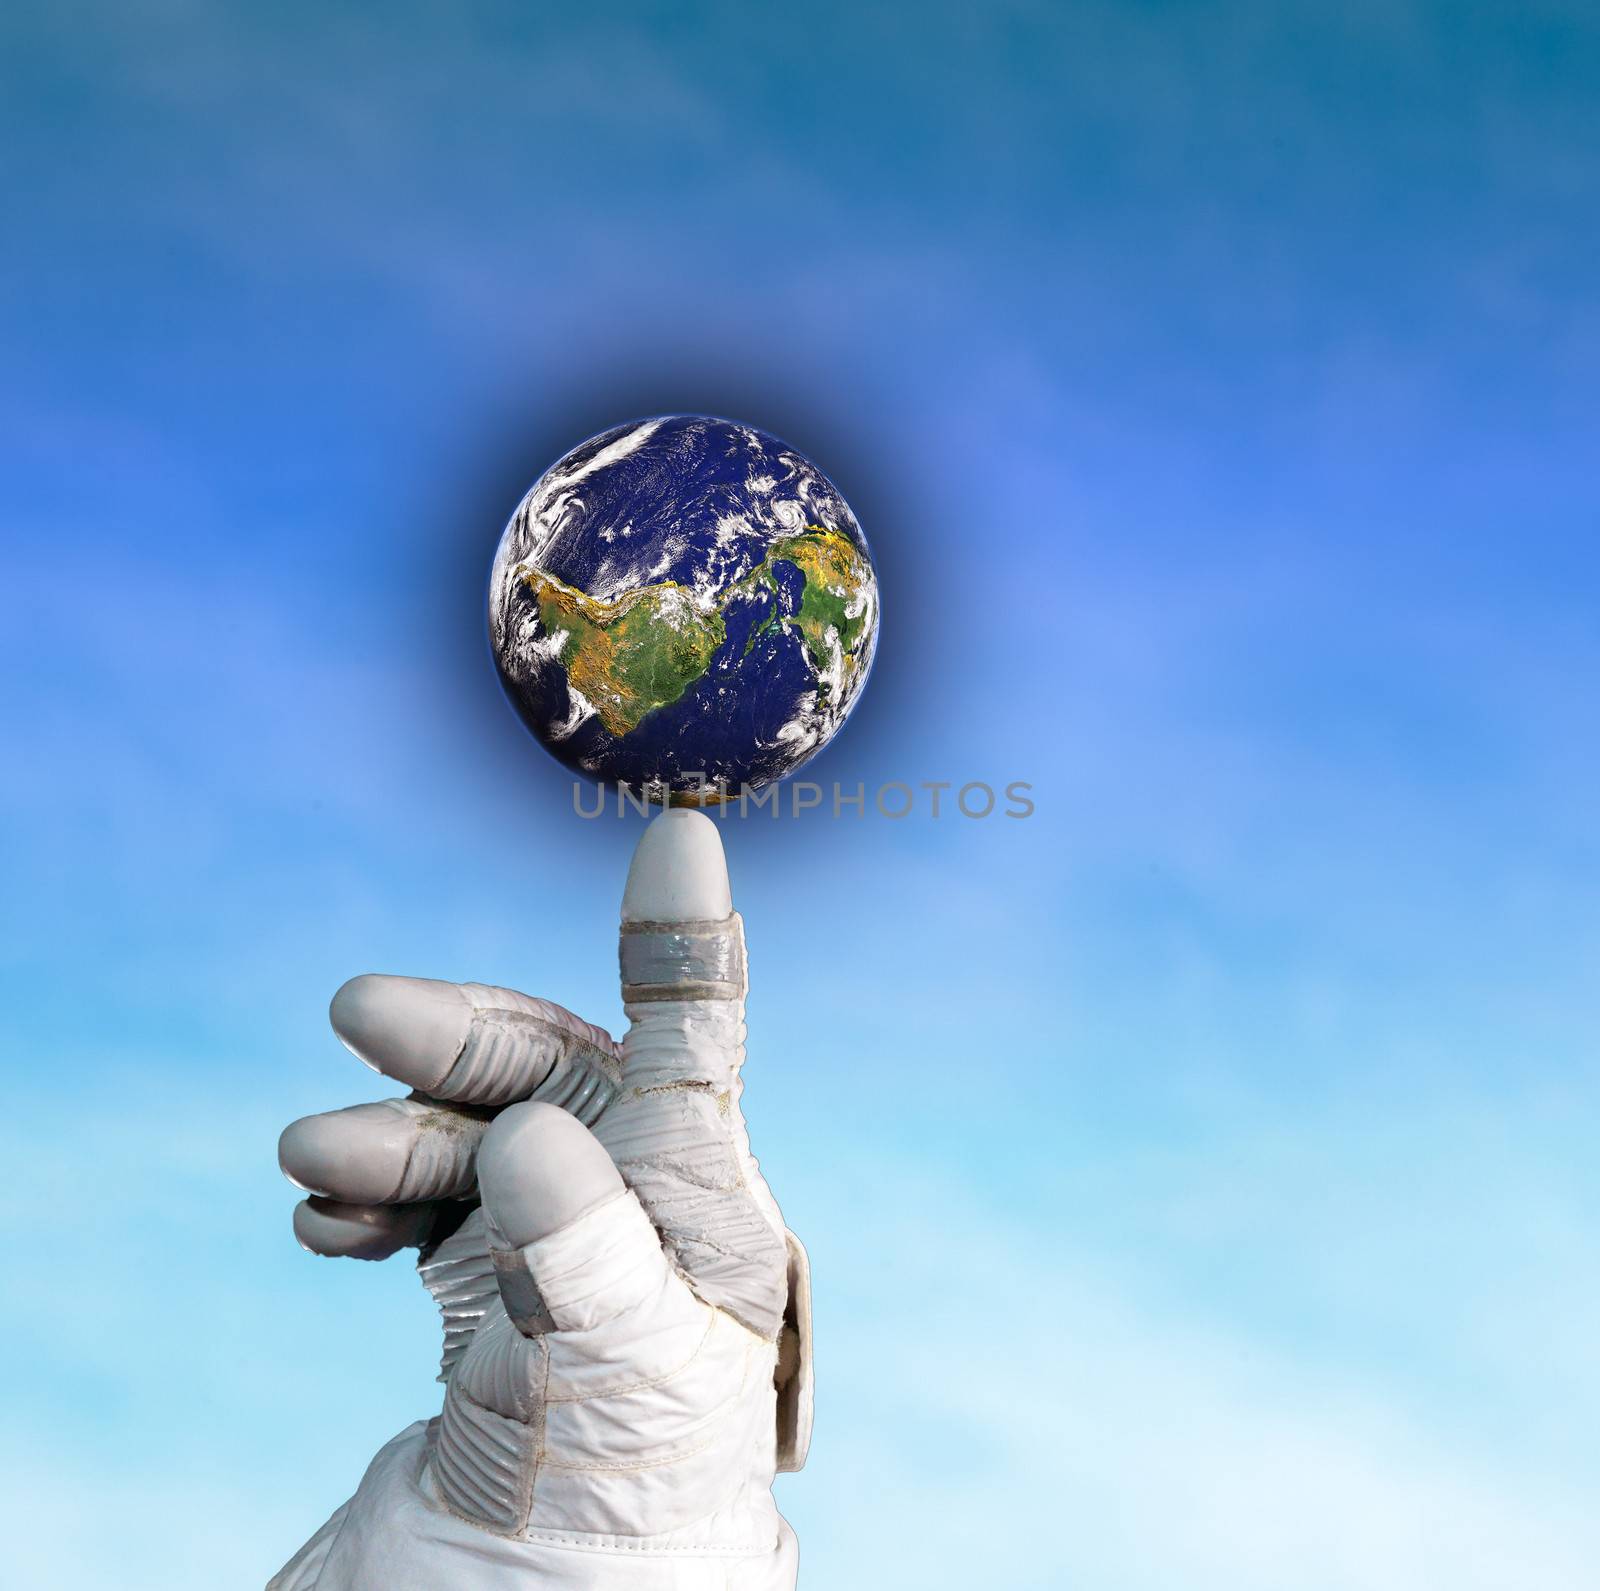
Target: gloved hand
626,1355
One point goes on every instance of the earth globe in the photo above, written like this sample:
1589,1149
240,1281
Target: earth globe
685,607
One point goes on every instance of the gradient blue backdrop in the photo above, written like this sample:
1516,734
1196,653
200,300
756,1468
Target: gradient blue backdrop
1199,1176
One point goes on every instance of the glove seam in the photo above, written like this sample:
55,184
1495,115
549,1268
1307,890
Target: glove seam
621,1544
675,1457
624,1388
714,1419
537,1447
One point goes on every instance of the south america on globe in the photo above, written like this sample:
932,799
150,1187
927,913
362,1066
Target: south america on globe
685,607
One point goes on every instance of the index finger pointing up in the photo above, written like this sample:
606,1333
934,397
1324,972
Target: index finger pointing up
681,939
675,1131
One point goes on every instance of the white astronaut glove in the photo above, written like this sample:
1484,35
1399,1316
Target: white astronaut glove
627,1333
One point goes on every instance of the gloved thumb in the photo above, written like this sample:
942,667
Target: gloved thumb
571,1247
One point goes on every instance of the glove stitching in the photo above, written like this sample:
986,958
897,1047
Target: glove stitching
715,1418
674,1457
537,1446
626,1387
679,1170
701,1084
622,1544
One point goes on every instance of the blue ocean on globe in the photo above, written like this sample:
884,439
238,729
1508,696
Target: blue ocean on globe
683,606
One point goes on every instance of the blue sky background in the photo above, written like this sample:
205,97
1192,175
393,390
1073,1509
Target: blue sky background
1199,1176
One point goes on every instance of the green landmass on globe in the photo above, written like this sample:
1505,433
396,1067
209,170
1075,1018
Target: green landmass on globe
644,650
